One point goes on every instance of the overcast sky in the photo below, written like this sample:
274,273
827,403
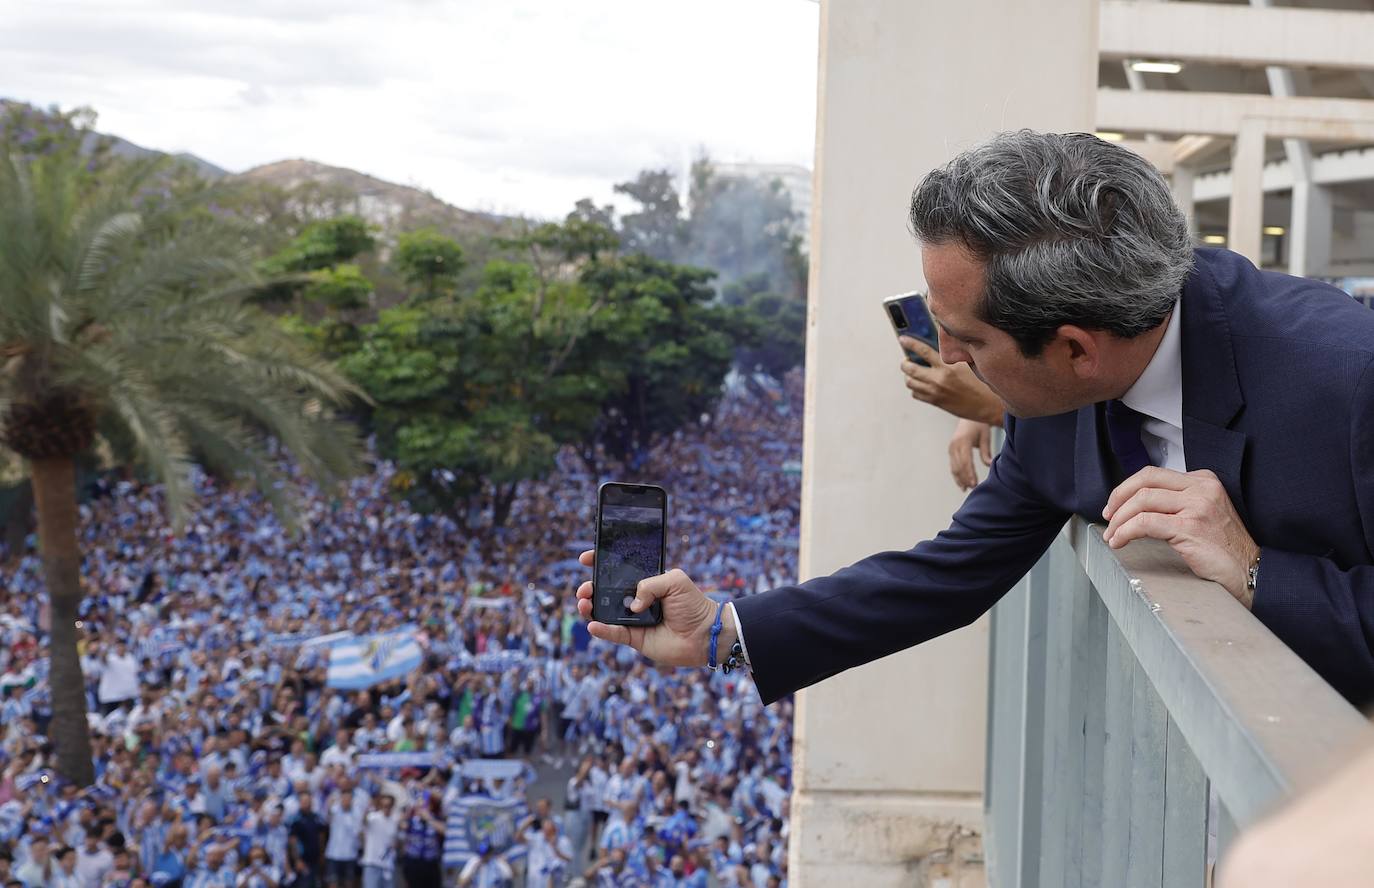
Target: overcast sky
504,105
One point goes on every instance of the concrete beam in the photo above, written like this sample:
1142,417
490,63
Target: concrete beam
1190,148
1356,165
1159,153
1229,34
1221,114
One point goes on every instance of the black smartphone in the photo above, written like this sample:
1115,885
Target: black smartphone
631,538
910,317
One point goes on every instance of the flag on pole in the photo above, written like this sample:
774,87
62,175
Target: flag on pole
368,660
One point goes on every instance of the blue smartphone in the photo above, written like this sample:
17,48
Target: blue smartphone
631,536
910,317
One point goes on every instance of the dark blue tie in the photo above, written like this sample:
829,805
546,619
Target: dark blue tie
1123,428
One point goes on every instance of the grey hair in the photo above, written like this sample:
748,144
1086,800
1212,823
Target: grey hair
1071,230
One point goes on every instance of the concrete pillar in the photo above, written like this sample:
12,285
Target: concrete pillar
1309,230
1247,191
1181,184
890,757
1308,240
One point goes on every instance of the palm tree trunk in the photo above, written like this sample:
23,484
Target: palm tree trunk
54,493
501,501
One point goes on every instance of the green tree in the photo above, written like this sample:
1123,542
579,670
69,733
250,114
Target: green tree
428,260
772,333
665,342
327,243
341,288
657,228
319,247
571,243
585,210
120,315
475,396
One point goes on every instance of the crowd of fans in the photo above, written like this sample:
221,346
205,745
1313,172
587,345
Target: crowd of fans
223,758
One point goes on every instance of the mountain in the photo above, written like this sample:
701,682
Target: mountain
124,148
390,206
120,147
393,208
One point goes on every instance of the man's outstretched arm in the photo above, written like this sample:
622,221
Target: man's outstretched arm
798,635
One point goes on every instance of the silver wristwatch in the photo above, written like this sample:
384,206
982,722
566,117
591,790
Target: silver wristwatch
1252,577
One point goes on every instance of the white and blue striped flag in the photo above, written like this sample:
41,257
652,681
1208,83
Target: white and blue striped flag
474,819
362,662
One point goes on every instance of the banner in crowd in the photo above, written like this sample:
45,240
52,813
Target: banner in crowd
366,661
494,662
287,639
385,760
497,769
474,819
483,603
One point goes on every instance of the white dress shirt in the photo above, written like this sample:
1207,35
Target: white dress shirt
1158,394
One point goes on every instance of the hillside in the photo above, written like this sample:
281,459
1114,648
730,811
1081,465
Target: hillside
124,148
390,206
120,147
393,208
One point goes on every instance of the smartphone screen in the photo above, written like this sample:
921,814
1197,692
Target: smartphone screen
631,533
910,317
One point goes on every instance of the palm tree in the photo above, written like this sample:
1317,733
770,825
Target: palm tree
122,315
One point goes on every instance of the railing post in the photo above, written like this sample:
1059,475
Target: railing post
1185,814
1116,757
1149,735
1091,657
1066,620
1041,591
1002,799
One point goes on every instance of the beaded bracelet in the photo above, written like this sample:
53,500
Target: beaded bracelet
735,660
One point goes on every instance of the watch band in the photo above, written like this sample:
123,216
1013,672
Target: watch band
1251,580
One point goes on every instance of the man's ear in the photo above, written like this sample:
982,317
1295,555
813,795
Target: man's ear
1080,350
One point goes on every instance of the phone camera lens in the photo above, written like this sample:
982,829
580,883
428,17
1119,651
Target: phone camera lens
898,316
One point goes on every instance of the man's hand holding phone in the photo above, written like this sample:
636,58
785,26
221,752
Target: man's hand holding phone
682,638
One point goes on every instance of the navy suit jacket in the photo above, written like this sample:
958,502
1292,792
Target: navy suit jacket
1278,401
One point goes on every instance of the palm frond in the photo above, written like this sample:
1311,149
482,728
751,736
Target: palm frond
231,448
133,299
113,237
140,406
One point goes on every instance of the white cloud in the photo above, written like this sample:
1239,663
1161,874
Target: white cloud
510,105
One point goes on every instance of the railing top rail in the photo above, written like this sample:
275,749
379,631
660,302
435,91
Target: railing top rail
1258,718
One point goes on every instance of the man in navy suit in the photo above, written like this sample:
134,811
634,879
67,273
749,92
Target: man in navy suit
1177,394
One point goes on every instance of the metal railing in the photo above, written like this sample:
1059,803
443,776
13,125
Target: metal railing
1121,688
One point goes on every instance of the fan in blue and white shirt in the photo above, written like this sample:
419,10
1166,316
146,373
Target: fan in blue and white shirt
549,858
